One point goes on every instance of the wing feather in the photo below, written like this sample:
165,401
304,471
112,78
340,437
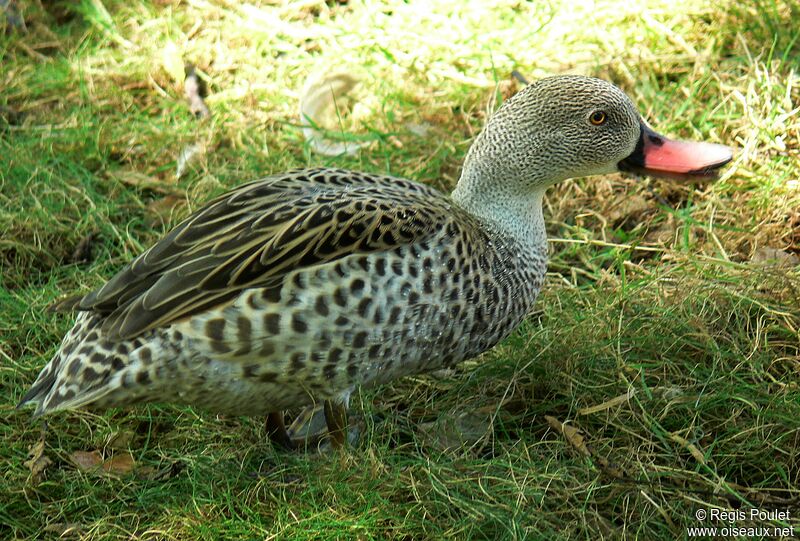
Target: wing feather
254,235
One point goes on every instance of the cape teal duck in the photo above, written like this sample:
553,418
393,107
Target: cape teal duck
296,288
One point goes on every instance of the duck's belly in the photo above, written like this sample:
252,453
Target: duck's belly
364,320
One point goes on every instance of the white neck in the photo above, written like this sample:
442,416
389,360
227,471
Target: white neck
517,215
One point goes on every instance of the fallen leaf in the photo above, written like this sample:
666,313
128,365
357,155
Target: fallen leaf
119,464
774,257
37,461
120,440
572,435
608,404
689,446
87,460
576,439
151,473
318,99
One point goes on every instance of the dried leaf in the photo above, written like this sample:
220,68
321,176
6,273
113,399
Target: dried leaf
92,461
689,446
37,461
576,439
572,435
318,97
119,464
87,460
608,404
121,440
774,257
157,474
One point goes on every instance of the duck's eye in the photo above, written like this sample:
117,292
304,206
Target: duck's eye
597,118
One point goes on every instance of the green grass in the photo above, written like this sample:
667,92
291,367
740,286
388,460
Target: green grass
654,297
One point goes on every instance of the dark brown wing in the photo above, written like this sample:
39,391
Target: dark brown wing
253,235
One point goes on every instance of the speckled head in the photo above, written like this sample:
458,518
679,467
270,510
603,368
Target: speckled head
571,126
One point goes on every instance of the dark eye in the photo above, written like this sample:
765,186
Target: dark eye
597,118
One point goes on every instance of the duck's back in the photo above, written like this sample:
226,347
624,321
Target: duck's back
293,289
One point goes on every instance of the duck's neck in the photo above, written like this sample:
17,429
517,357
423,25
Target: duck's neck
516,215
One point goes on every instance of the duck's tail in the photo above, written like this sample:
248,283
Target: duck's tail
85,368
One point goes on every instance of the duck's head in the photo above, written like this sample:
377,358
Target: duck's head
572,126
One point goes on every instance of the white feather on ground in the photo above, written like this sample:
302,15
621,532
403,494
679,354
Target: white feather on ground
318,99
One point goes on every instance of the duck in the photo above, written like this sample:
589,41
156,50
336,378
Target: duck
295,289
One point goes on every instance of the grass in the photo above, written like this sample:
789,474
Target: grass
662,334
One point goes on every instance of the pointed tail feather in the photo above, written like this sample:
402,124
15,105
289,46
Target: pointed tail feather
37,393
85,368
